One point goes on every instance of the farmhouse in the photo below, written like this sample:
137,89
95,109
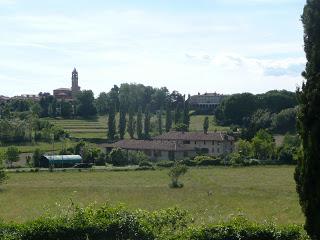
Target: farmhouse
178,145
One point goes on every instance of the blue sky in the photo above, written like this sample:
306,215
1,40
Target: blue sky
192,46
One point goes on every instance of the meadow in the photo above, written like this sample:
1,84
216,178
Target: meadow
259,193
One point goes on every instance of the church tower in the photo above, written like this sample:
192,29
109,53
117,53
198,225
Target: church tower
75,85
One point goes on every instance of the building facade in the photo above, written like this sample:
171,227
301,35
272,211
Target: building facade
206,102
178,145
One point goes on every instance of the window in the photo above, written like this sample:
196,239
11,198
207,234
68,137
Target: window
195,142
204,142
218,150
212,142
186,142
185,154
212,150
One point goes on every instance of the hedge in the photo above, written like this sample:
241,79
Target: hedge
118,223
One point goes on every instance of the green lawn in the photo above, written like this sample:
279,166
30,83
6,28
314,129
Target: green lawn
257,192
196,124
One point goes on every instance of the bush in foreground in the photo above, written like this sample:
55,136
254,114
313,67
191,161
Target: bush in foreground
119,223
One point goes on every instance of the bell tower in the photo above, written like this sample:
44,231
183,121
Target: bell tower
75,85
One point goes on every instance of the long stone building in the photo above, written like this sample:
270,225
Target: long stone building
178,145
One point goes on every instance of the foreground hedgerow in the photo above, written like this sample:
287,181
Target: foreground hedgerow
119,223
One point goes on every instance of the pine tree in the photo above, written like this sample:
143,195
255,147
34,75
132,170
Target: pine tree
206,125
168,118
139,124
111,122
160,121
307,174
147,122
131,125
122,122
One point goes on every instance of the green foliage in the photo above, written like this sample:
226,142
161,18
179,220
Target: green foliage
168,119
263,145
85,104
139,124
66,109
108,222
159,115
138,157
118,157
111,123
284,121
12,155
206,124
240,228
122,122
147,123
307,173
186,116
254,111
131,124
175,173
181,127
36,156
3,175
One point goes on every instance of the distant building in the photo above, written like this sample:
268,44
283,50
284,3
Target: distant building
178,145
206,102
32,97
4,99
68,93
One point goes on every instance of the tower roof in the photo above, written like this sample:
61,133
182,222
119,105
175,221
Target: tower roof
74,70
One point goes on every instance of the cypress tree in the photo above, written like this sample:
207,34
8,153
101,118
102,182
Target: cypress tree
160,121
111,122
122,122
186,116
139,124
307,173
206,125
147,122
168,118
131,126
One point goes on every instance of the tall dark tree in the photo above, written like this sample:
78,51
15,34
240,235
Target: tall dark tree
66,109
112,123
147,118
168,118
160,121
206,125
85,104
186,116
122,122
307,173
139,124
131,124
178,114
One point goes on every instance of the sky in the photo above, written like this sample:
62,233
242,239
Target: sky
223,46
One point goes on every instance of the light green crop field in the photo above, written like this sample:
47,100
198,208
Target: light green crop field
43,146
259,193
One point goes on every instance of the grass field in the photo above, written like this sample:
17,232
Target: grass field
259,193
97,128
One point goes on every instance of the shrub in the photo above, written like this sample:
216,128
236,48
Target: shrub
119,223
118,157
165,164
138,157
207,161
175,172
